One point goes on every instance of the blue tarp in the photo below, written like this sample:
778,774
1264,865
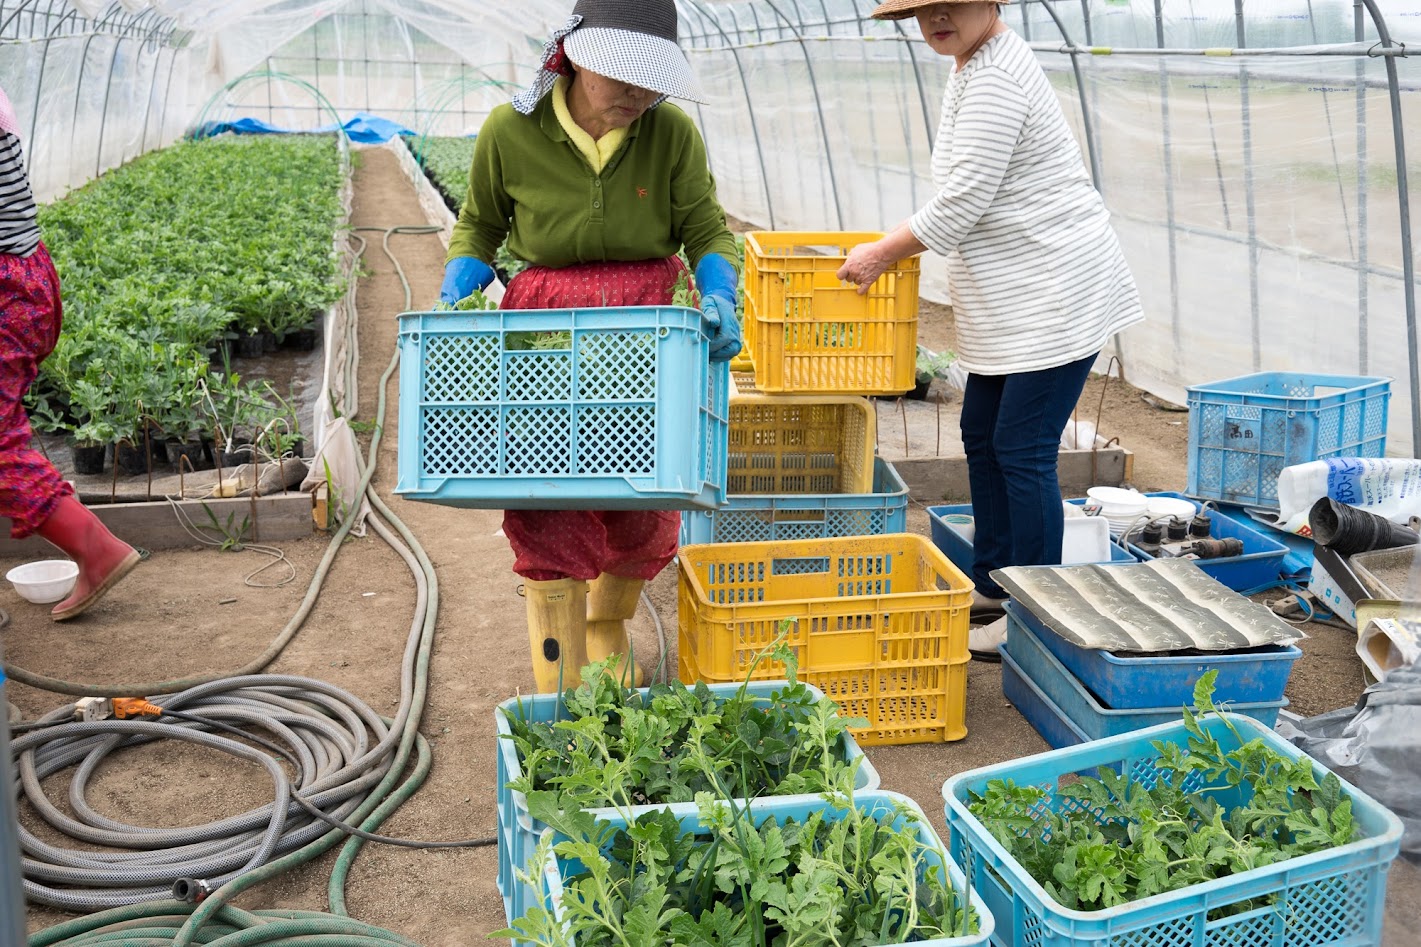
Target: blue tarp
362,127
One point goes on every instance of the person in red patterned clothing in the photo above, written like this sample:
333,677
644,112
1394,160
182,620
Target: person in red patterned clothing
32,493
596,182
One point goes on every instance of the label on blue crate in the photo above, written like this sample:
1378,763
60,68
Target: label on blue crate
1386,486
1243,429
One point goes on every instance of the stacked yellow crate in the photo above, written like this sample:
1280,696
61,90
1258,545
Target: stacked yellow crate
812,541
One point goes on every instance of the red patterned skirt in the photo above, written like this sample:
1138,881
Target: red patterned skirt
583,544
30,316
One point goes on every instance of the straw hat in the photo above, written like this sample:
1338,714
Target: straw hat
902,9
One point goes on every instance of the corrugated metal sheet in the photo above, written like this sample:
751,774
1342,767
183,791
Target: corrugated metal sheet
1162,605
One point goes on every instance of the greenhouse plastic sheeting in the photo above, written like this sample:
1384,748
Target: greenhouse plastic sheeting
1256,196
1376,746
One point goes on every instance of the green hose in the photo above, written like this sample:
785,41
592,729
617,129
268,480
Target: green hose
156,923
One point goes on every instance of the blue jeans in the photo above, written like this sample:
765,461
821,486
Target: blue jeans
1011,430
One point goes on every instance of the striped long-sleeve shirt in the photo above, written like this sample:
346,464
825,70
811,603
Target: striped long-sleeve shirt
1037,275
19,233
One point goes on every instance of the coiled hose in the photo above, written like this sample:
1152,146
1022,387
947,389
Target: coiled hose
349,771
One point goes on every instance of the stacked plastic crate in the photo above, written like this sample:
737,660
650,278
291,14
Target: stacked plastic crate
1072,694
812,539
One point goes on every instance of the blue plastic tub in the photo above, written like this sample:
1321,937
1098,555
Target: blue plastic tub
773,517
628,413
1040,711
876,802
1260,567
1326,899
1082,708
1132,682
1244,431
958,548
518,832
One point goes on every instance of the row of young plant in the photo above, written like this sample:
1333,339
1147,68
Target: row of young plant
839,875
174,263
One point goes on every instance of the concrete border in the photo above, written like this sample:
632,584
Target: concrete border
152,524
937,479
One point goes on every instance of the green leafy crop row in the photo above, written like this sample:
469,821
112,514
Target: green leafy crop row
168,257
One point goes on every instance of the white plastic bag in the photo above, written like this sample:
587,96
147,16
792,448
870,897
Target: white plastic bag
1386,486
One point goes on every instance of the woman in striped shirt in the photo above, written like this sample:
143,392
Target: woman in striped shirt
1038,280
33,495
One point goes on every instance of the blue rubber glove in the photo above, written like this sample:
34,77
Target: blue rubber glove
716,279
463,275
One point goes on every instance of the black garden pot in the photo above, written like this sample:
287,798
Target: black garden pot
89,460
249,346
132,459
188,455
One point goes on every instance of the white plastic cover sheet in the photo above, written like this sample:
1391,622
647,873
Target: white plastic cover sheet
1161,605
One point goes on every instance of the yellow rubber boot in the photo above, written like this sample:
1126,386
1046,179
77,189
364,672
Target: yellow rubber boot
557,631
611,601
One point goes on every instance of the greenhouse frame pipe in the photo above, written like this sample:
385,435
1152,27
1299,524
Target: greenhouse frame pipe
148,109
39,90
1255,313
873,138
749,108
819,108
918,77
167,96
1403,197
78,90
104,112
1176,329
1363,243
1081,94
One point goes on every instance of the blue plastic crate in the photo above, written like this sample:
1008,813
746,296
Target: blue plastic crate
1258,568
518,832
1040,711
1244,431
1325,899
878,803
1138,681
958,548
630,414
751,518
1083,709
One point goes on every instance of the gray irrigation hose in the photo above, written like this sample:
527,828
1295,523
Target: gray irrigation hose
343,746
231,848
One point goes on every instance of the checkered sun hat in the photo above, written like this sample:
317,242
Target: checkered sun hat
633,41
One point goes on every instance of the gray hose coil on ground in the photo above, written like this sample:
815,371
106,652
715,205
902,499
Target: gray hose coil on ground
344,748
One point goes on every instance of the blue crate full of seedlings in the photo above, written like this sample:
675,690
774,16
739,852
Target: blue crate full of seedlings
1278,884
614,408
518,831
1244,431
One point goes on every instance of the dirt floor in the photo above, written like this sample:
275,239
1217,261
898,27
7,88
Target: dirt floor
190,611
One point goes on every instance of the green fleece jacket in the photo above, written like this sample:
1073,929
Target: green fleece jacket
529,182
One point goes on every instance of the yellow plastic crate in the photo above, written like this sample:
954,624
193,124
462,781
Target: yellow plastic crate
878,623
809,332
787,444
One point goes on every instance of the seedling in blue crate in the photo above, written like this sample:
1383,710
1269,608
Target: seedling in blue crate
868,870
1166,837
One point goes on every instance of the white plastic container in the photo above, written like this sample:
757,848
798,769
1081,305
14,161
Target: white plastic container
1085,539
45,581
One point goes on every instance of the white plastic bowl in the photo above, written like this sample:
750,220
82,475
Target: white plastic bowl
48,580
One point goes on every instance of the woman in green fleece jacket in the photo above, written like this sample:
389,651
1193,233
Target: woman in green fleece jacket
597,182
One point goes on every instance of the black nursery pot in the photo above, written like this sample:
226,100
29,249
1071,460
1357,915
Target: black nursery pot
920,391
249,346
195,452
89,460
269,343
132,459
302,340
